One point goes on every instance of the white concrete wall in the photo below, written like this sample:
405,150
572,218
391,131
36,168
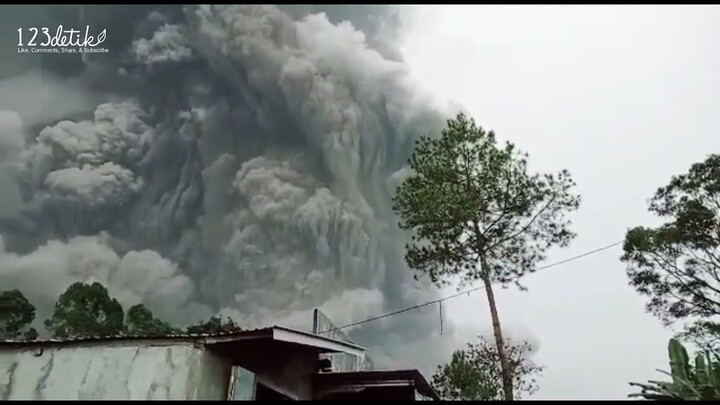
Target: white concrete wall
121,371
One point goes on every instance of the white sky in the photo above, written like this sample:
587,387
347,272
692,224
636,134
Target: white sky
624,97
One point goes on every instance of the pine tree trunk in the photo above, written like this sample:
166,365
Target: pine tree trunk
504,364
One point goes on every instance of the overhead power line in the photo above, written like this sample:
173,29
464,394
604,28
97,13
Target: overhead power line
472,289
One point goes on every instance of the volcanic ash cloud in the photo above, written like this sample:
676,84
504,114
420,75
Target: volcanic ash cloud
241,161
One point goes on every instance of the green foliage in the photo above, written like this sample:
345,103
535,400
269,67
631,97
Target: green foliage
677,264
16,313
214,325
470,198
140,321
30,334
475,373
705,334
698,381
86,310
475,212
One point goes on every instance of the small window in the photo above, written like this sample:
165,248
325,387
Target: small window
242,385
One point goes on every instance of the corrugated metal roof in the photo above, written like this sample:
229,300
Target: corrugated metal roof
239,332
277,333
378,376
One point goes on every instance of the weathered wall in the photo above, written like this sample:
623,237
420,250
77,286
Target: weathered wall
139,371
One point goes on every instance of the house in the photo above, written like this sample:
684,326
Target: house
259,364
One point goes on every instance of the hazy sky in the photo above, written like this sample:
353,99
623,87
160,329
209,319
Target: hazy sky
624,97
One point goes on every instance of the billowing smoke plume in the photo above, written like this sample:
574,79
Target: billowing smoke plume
220,159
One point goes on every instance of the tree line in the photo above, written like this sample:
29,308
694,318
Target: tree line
86,309
475,213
